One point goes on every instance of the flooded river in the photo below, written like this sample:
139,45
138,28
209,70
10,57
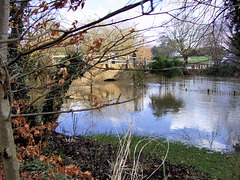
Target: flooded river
200,111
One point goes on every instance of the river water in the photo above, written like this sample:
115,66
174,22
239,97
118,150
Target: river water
199,111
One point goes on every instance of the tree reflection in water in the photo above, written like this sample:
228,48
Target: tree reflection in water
161,105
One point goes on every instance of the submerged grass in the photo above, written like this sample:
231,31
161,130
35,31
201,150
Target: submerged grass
214,165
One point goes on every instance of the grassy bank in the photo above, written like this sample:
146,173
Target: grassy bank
198,59
212,165
131,157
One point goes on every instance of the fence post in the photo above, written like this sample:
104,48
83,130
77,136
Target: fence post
134,59
127,61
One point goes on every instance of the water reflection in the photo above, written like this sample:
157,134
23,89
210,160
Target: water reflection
164,104
196,110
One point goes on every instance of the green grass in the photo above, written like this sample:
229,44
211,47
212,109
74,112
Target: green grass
199,59
214,164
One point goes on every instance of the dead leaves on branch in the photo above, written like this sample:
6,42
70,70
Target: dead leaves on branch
68,62
94,102
47,31
33,150
95,47
74,4
18,105
98,43
89,57
63,72
132,30
63,75
43,6
76,39
59,4
35,11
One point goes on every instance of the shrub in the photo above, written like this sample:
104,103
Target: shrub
167,67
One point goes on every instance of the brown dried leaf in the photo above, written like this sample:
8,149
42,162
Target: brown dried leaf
41,158
19,16
89,175
65,75
45,8
132,30
61,82
35,11
44,23
61,71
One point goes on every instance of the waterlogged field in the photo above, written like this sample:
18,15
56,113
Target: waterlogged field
198,111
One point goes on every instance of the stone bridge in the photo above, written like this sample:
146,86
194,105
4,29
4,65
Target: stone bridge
110,69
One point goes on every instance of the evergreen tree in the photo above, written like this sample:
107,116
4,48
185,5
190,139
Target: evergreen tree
233,17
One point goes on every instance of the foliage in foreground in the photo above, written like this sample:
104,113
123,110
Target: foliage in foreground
35,164
161,62
99,153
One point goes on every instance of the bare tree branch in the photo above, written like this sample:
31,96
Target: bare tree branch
79,110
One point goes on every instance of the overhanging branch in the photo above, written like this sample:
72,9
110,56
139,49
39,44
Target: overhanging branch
79,110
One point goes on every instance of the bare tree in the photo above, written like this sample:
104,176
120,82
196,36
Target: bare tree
214,42
185,35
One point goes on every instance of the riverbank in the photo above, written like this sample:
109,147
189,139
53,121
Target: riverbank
98,153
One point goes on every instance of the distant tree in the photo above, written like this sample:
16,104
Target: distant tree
144,52
165,47
213,42
185,35
117,40
155,50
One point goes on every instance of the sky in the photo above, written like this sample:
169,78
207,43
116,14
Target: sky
94,9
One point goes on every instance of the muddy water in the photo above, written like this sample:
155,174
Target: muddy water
200,111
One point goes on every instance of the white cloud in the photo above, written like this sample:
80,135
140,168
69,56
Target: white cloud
112,1
115,122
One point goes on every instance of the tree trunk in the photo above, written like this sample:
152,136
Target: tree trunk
7,146
185,57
